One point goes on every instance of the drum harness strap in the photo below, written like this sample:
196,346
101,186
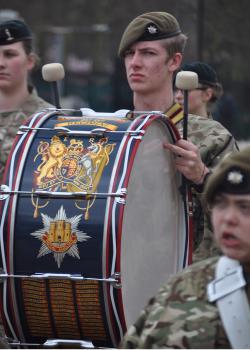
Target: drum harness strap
228,290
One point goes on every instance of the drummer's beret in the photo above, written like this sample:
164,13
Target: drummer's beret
206,74
231,176
12,31
147,27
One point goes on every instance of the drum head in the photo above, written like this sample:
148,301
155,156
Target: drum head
153,233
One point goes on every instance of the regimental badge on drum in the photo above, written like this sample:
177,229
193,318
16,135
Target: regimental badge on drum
70,165
60,236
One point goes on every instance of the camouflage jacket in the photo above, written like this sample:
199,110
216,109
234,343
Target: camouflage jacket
10,122
214,142
180,316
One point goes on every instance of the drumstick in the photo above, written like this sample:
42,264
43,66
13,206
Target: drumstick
52,72
186,81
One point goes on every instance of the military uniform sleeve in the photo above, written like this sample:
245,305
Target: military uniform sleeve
11,121
179,316
137,335
9,124
213,140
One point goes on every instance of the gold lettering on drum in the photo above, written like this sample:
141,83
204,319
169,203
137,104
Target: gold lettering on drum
94,122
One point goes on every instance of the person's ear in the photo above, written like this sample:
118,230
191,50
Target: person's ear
32,61
208,94
174,62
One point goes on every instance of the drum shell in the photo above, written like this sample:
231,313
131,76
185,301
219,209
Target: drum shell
90,309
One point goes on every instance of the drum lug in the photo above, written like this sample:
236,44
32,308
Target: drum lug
190,208
122,192
121,200
2,275
117,277
4,188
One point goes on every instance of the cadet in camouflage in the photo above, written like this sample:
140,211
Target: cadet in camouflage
202,99
152,47
180,315
18,100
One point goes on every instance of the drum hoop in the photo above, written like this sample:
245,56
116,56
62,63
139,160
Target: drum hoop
127,147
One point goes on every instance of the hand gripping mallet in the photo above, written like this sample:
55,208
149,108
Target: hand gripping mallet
52,72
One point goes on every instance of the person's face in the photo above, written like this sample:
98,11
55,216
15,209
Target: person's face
197,99
231,223
148,66
14,65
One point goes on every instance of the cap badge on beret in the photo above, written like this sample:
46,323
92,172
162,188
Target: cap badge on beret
8,35
235,177
12,31
152,29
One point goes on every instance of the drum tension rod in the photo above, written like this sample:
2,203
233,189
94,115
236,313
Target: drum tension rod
120,193
100,132
96,132
54,343
5,192
114,279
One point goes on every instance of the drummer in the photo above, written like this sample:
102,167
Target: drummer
18,98
152,48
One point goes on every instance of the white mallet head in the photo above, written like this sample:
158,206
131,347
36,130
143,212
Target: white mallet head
53,72
186,80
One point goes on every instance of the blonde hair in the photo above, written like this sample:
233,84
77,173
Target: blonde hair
175,44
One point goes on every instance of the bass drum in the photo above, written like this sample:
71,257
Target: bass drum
92,223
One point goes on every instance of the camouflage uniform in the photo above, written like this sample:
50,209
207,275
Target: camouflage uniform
10,122
214,142
180,316
3,341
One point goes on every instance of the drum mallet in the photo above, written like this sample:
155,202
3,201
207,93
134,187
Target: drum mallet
186,81
52,72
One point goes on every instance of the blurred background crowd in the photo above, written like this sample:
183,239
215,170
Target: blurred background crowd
84,36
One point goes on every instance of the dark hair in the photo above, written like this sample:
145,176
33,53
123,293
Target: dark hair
28,46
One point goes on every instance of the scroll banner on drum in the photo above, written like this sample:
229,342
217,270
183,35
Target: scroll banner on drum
95,201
